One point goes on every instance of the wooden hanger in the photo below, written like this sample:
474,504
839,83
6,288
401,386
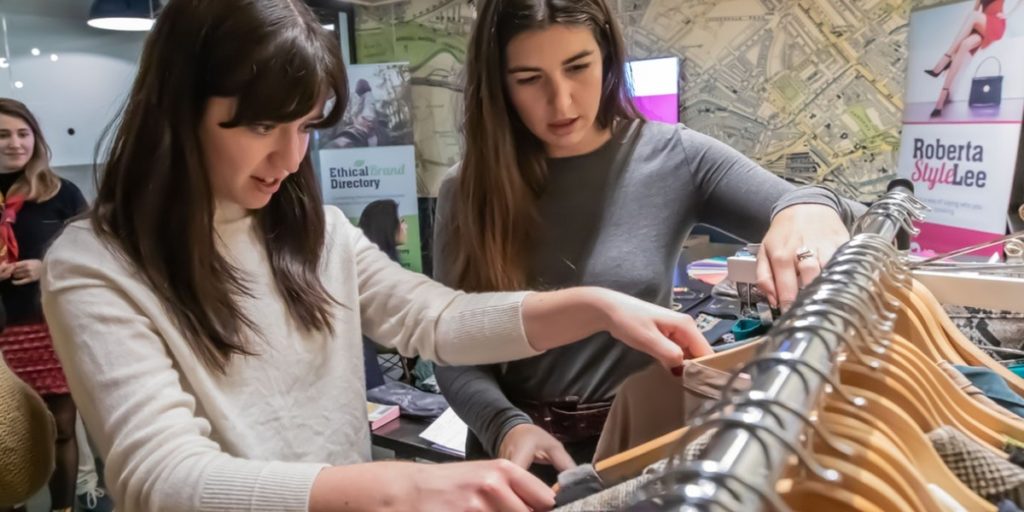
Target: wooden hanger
625,434
920,320
632,462
865,484
950,410
970,353
884,415
880,454
910,376
882,383
880,415
950,393
901,389
814,495
944,404
732,358
917,324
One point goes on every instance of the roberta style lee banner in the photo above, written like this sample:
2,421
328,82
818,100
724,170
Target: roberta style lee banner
962,119
369,158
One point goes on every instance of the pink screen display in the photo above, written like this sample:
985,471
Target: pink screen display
655,88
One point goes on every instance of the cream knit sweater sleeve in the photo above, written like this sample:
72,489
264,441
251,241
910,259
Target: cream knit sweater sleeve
27,436
420,316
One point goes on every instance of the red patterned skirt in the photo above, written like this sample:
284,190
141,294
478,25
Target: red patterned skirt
28,350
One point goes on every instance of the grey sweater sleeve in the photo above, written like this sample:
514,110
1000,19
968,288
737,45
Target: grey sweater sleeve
740,197
472,391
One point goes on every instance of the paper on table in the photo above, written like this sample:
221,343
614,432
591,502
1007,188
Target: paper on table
448,432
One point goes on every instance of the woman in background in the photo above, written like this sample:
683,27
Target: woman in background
36,206
382,225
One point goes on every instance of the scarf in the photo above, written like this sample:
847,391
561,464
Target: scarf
9,209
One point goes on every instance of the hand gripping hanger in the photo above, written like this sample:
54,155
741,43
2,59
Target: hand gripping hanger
752,440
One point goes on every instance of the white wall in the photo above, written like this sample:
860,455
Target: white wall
82,90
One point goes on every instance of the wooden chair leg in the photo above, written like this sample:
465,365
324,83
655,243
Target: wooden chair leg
406,371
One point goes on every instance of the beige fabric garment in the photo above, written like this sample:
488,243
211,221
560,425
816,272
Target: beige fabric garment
654,402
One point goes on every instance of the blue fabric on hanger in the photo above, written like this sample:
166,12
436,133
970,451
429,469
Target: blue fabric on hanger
1017,369
994,387
1008,506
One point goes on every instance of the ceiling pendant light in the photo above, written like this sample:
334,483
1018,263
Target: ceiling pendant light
126,15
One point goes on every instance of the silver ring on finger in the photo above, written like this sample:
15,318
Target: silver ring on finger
804,253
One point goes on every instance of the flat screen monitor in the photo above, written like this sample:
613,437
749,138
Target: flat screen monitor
655,88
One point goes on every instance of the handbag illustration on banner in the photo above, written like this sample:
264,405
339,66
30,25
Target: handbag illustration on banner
987,91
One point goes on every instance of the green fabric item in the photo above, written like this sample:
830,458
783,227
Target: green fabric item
1017,369
423,376
748,328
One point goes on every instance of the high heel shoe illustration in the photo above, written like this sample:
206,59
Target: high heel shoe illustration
944,68
945,101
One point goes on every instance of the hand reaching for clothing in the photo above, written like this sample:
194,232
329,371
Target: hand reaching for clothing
799,242
26,271
479,486
528,444
556,318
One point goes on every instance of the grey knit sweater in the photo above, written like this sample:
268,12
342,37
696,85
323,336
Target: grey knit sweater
615,217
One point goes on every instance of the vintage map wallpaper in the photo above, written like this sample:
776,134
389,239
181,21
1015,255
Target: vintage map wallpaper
811,89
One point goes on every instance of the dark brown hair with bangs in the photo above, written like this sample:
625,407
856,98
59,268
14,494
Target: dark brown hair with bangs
154,200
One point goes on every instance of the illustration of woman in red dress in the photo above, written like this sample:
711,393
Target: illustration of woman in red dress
985,25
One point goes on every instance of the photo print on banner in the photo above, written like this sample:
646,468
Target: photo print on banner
962,120
367,162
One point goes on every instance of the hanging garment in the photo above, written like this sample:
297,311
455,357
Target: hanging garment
1016,454
986,474
994,387
948,503
577,483
1008,506
612,499
653,402
973,391
986,327
587,484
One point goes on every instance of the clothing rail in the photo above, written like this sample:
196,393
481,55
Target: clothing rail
755,437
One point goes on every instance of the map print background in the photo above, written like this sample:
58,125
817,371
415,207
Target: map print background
810,89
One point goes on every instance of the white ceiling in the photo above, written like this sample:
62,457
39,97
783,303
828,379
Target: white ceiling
75,9
79,9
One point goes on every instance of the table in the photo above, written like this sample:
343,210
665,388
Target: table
402,436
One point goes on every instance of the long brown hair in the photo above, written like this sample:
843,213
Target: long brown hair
503,167
39,183
154,198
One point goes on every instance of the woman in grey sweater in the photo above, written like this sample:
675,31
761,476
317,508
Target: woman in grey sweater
563,184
